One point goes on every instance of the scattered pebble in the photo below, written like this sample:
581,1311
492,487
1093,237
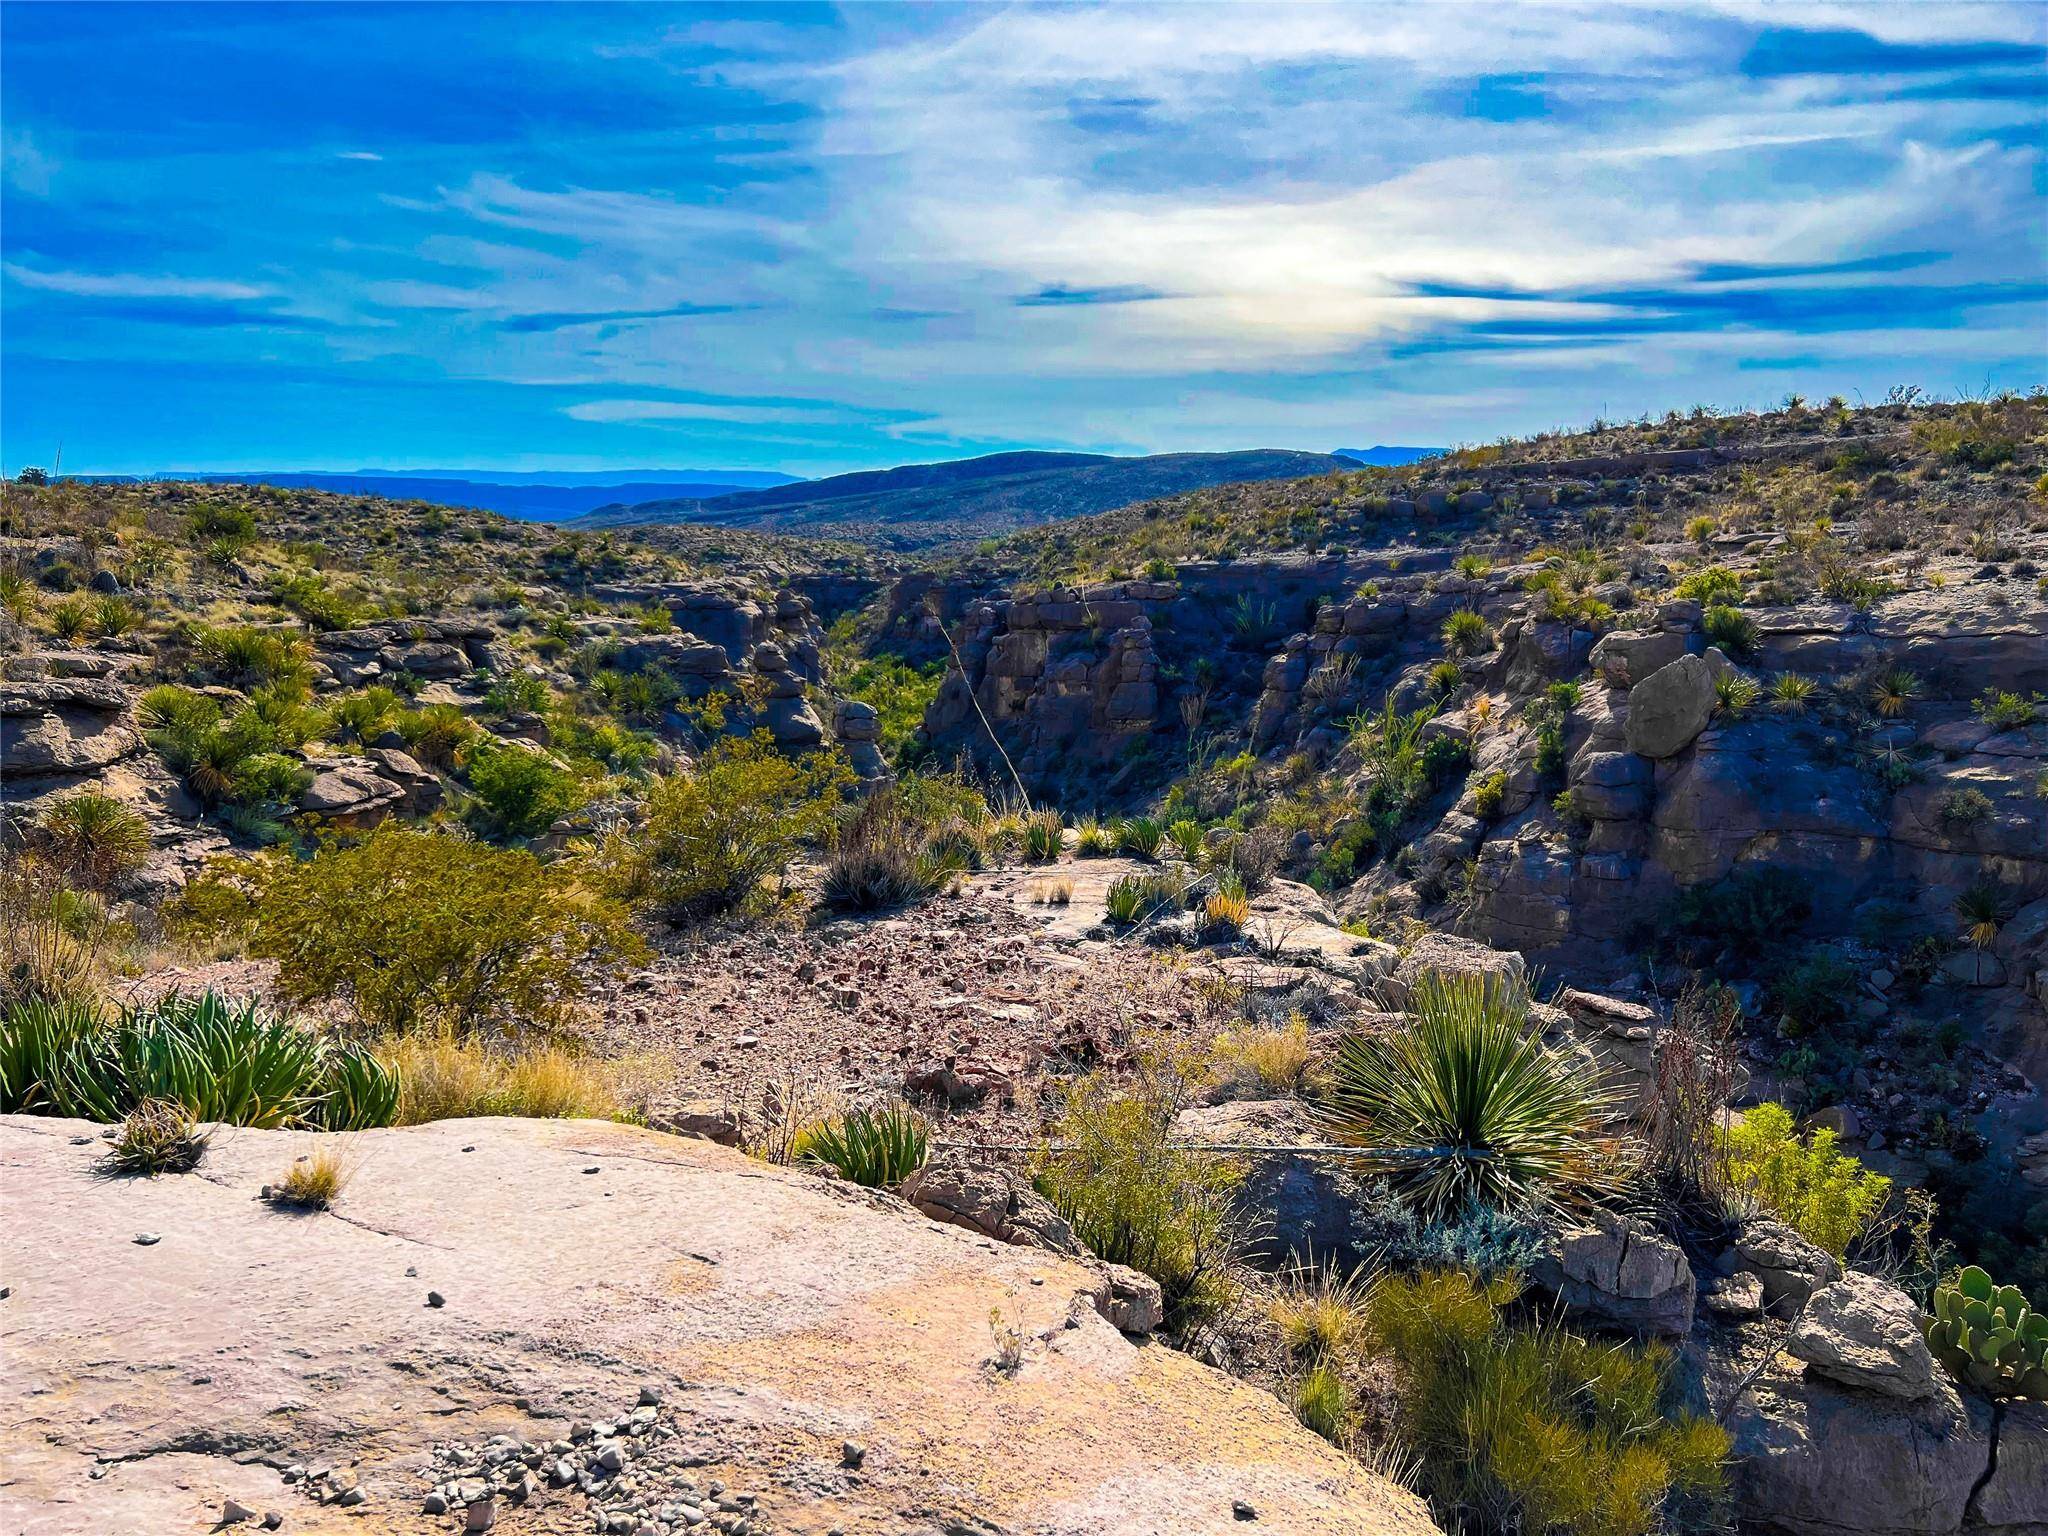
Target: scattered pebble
1243,1510
148,1239
436,1299
234,1512
851,1455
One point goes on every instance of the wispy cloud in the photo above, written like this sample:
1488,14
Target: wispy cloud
129,285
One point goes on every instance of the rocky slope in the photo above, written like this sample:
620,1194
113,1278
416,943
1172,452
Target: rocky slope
823,1358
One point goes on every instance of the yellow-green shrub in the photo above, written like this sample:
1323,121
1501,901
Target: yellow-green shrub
1823,1194
420,929
1534,1429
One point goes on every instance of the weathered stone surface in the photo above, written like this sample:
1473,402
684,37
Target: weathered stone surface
65,724
1670,707
352,794
1860,1332
1620,1271
1790,1267
793,1313
1626,657
1454,957
1818,1459
1308,1207
2014,1499
994,1201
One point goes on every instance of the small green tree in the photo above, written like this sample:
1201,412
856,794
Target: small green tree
420,929
520,793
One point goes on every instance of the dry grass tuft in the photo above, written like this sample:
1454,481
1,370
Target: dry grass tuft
1274,1061
313,1182
441,1078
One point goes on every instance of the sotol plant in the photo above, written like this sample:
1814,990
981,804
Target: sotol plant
1989,1337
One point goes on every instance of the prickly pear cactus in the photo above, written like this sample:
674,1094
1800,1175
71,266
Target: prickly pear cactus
1988,1337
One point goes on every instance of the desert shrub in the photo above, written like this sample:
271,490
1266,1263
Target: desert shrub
72,618
1892,690
1712,585
1488,794
714,832
517,693
1981,909
1823,1194
1445,677
2005,711
308,594
93,838
1093,840
1973,435
1749,911
362,716
1226,907
1966,806
157,1136
1534,1429
1521,1126
313,1182
436,734
1134,1196
1814,992
520,793
1734,692
1730,628
1267,1062
243,653
878,1148
213,520
1465,633
1322,1400
54,938
421,929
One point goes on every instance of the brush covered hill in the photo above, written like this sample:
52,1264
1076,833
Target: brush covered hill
918,505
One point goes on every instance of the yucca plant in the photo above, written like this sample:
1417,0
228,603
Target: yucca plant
1791,692
1511,1124
1988,1337
51,1061
1133,898
362,1091
157,1136
221,1060
93,837
1892,690
1734,692
878,1148
1465,633
1982,909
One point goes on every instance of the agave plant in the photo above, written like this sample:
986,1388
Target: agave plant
1141,836
1466,1105
1187,838
1988,1336
1044,835
879,1148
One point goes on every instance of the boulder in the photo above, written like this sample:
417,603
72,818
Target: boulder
68,725
2013,1500
1670,707
1817,1459
779,1313
793,723
1626,657
996,1202
1452,956
1622,1273
1790,1268
351,794
701,1119
1860,1332
1305,1208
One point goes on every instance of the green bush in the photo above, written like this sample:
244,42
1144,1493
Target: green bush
308,594
1135,1197
420,929
899,692
1824,1195
519,793
1137,898
1469,1078
1750,911
2005,711
243,653
1488,794
878,1148
714,832
894,848
1534,1429
1712,585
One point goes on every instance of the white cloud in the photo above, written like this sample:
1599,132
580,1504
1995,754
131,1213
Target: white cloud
129,285
691,410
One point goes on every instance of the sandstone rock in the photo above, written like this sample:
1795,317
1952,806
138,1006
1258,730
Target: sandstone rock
793,723
703,1119
1670,707
794,1307
2014,1498
350,794
1308,1208
72,725
1621,1272
1863,1333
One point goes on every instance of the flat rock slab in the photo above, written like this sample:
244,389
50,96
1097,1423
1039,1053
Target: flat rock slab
779,1315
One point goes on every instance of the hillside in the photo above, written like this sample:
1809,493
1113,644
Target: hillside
550,498
1129,896
919,505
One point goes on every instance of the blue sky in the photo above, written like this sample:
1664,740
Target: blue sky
819,239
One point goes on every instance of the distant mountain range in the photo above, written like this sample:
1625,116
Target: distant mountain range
1388,454
549,496
920,504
